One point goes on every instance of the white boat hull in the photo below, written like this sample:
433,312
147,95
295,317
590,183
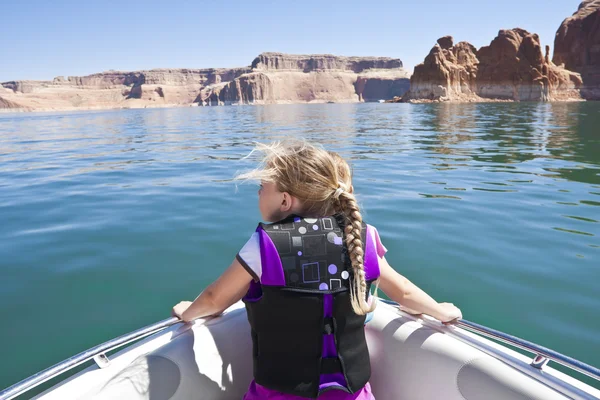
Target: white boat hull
410,359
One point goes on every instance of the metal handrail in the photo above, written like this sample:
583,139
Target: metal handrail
72,362
543,354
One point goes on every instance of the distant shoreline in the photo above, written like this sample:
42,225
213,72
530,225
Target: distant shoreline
514,67
414,102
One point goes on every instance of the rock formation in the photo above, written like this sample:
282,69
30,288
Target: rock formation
577,46
448,72
377,85
271,78
321,62
282,78
9,104
512,67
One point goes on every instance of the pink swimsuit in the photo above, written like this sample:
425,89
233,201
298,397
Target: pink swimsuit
258,392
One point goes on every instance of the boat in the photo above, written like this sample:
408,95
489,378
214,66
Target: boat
412,357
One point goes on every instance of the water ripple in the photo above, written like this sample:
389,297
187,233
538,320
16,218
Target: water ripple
490,206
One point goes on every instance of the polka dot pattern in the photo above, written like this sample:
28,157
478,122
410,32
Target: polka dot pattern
331,237
312,253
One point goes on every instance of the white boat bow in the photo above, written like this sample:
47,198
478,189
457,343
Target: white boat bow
411,358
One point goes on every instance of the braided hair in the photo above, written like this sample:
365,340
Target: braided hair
322,181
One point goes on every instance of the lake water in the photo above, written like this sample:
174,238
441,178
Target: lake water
109,218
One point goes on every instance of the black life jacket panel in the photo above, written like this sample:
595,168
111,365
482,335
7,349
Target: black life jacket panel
306,337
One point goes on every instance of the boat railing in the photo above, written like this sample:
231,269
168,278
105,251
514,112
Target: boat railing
98,354
542,354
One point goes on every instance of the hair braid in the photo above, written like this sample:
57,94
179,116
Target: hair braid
322,181
353,229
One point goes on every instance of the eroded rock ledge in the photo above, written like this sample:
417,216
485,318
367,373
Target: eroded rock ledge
271,78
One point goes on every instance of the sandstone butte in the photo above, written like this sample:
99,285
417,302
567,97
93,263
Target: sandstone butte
271,78
513,68
577,46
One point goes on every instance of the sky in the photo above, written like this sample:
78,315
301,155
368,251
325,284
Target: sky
43,39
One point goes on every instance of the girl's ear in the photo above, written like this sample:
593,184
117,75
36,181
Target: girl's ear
286,202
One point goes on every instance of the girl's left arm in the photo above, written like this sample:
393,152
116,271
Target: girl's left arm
218,296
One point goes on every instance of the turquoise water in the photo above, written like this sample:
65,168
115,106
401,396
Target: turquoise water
109,218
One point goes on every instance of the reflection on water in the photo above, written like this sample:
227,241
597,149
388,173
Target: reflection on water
490,206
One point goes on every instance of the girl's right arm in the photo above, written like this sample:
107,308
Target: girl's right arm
407,294
229,288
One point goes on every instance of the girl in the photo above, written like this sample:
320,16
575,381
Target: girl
305,279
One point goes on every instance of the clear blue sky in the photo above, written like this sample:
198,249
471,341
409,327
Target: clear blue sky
44,39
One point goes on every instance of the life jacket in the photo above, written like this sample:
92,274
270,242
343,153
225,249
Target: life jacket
306,337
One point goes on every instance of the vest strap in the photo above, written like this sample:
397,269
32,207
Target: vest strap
327,326
330,365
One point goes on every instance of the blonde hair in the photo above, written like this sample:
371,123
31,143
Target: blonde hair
322,181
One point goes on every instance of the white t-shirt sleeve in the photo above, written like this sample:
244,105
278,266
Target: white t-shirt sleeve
376,241
249,257
381,250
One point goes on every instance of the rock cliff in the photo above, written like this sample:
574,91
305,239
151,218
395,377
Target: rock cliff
9,104
577,46
448,72
512,67
321,62
283,78
271,78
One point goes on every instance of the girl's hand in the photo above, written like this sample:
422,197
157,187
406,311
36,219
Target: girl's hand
180,308
449,313
409,310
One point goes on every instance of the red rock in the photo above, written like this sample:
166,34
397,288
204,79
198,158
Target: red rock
446,74
512,67
446,42
577,46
